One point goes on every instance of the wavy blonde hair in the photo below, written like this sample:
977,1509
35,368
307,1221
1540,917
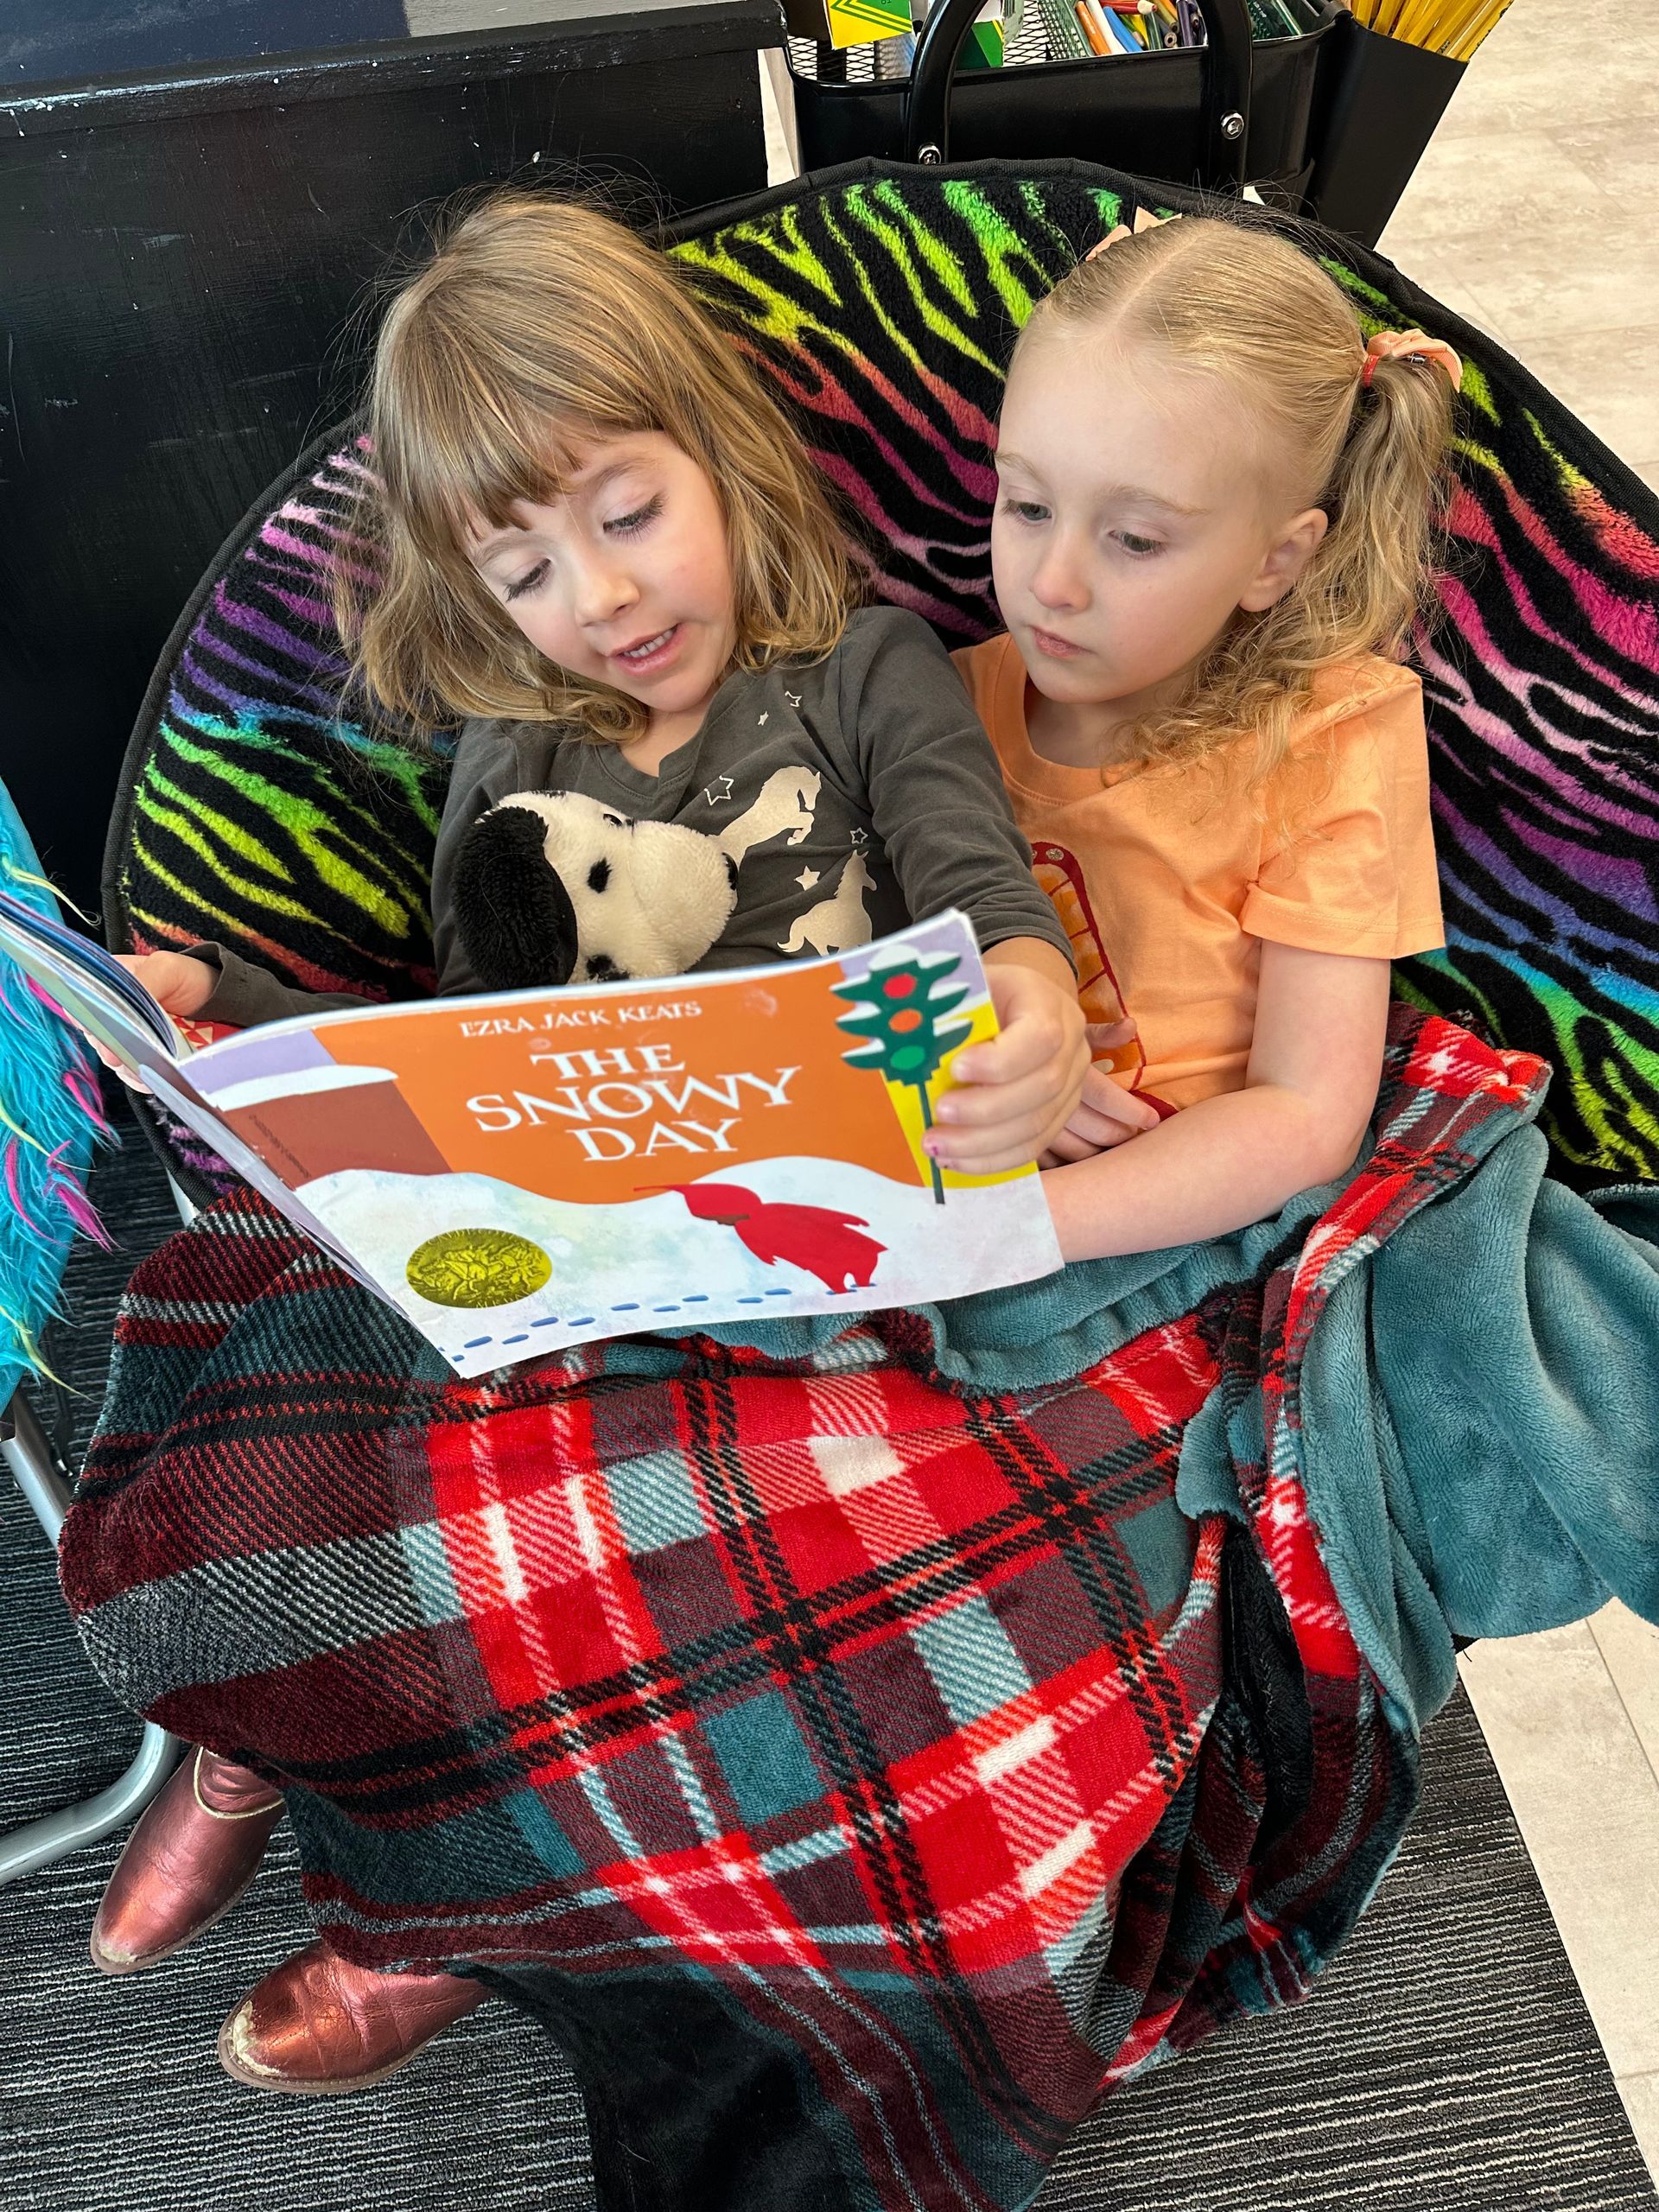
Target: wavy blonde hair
538,325
1236,303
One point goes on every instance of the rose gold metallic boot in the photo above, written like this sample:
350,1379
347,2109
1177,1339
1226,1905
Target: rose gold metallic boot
190,1858
317,2026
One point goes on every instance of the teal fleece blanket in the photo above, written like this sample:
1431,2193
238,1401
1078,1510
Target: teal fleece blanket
1458,1364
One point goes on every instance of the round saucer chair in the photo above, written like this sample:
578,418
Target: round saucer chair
881,301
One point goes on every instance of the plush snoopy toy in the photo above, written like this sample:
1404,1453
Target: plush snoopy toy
555,887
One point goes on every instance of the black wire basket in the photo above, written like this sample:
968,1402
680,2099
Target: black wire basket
1236,110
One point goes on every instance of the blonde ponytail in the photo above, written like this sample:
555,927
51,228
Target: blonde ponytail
1384,498
1239,303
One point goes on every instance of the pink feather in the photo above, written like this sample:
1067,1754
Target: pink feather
15,1192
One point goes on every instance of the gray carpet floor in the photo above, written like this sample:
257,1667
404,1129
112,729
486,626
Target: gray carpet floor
1446,2064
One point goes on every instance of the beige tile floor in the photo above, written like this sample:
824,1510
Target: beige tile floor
1572,1721
1532,211
1531,215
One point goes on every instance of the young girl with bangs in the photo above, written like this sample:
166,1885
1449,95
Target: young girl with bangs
1217,509
599,545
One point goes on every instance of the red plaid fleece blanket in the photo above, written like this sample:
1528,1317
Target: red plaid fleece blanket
858,1771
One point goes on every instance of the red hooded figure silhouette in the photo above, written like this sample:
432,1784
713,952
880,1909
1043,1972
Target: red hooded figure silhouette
825,1243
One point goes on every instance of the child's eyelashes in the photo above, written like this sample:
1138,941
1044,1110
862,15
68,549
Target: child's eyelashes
1034,513
625,526
521,587
637,519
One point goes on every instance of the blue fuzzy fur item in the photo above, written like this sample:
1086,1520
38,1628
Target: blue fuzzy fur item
51,1116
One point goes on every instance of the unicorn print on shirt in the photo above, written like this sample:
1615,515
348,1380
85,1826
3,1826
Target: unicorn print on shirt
786,803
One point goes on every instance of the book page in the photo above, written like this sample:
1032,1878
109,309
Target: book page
537,1169
90,987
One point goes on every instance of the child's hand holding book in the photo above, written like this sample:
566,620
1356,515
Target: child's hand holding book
1016,1093
180,984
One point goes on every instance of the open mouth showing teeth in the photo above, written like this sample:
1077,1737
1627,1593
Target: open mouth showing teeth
651,646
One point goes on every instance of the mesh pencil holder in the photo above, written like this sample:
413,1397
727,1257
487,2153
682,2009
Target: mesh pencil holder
1231,112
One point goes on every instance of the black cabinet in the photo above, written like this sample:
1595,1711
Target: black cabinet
183,269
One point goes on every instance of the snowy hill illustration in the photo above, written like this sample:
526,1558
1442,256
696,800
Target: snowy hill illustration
489,1272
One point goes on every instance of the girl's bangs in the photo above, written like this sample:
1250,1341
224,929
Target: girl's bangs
521,449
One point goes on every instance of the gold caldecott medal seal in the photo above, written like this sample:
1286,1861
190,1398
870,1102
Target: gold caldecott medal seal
477,1267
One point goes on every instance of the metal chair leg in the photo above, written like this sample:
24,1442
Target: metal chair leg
38,1843
28,1453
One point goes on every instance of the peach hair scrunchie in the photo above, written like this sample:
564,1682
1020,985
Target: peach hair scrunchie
1410,346
1144,220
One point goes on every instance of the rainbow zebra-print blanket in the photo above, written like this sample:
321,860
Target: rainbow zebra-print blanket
883,302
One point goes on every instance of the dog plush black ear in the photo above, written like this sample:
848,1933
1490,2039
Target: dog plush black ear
514,917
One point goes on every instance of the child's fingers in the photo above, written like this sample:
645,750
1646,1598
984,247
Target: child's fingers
1106,1036
1067,1149
178,982
1038,1066
1008,1126
989,1145
1085,1136
988,1105
132,1080
993,1152
1027,1043
1101,1093
1101,1131
1016,1092
1039,1023
1075,1143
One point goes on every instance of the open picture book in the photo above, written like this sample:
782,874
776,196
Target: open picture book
527,1170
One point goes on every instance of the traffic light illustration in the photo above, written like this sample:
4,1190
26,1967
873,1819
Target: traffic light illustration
905,1011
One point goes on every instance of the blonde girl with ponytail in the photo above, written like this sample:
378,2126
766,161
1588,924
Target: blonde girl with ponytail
1216,518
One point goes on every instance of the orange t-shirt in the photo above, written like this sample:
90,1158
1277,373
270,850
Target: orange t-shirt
1167,880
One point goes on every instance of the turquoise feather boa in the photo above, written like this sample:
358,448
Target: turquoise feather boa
51,1117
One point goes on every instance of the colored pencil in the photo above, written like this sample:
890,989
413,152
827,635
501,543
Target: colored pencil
1110,26
1098,41
1151,27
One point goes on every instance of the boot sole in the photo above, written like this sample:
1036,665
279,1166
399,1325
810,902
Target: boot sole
285,2086
118,1971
